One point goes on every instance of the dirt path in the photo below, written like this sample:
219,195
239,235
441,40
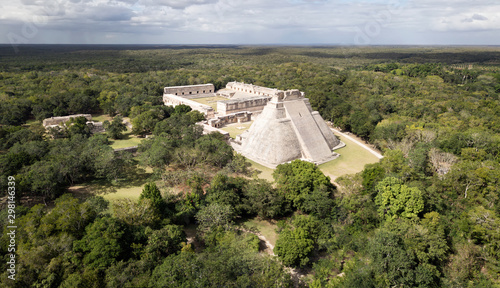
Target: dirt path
364,146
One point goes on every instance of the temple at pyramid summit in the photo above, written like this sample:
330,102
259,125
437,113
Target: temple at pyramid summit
285,127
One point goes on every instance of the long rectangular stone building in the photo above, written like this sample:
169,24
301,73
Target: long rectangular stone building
255,104
182,95
187,90
174,100
62,119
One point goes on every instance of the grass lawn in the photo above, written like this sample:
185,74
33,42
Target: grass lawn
32,121
210,101
125,188
128,140
266,228
264,172
352,160
101,117
110,191
235,129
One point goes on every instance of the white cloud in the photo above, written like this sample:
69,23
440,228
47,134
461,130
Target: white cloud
263,21
176,4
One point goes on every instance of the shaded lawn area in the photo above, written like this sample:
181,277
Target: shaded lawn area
266,228
236,129
263,172
32,121
128,140
210,101
352,160
101,117
131,187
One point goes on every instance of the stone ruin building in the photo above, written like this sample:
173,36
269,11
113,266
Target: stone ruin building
52,121
183,95
285,128
56,122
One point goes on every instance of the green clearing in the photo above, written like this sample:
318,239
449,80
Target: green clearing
131,187
32,121
352,160
210,101
263,171
128,140
111,191
266,228
101,117
236,129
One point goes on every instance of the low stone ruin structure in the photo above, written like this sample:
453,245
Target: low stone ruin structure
58,122
182,95
204,90
97,127
63,119
255,105
238,117
173,100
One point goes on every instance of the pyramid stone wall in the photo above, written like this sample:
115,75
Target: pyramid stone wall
313,143
288,129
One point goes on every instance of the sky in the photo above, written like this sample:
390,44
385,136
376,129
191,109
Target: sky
293,22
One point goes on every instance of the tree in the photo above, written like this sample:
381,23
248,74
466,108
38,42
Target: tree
107,101
214,150
131,273
213,216
157,152
239,164
319,202
163,242
71,216
44,178
145,122
182,109
395,199
151,191
115,128
293,247
233,262
297,181
265,201
103,244
372,173
227,190
79,126
141,213
391,262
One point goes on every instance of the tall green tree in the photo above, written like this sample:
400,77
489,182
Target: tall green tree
104,243
294,246
395,199
115,128
298,180
151,191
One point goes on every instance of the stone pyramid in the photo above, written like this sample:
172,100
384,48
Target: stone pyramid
288,129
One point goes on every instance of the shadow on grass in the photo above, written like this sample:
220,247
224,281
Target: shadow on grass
136,177
127,140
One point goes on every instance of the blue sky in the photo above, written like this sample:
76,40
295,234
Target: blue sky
358,22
